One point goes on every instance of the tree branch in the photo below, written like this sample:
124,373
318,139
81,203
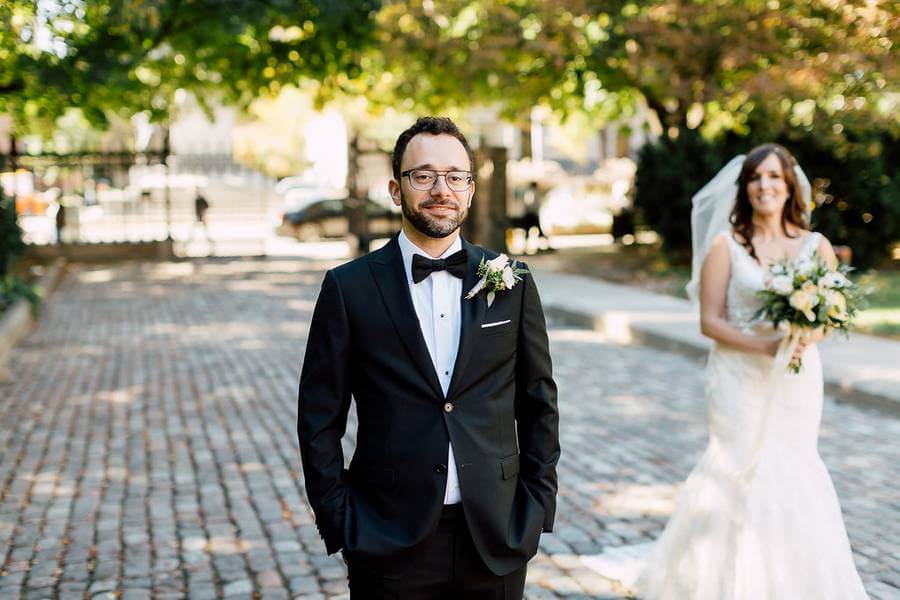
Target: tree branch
10,88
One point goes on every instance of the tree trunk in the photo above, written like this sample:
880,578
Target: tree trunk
357,219
668,119
525,139
487,222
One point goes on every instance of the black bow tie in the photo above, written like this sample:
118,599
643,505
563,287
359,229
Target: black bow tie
455,264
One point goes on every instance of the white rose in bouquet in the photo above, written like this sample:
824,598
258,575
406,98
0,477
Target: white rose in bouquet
805,266
780,269
782,285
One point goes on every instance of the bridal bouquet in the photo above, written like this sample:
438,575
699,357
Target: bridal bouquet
807,294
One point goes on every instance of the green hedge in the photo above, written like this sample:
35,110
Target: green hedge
670,172
11,245
857,186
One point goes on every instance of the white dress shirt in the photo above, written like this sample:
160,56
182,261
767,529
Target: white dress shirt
437,302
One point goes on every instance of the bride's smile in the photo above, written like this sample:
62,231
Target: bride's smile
767,189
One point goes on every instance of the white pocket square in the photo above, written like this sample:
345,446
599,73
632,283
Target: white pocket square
494,324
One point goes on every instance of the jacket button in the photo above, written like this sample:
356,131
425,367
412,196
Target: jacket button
448,407
440,468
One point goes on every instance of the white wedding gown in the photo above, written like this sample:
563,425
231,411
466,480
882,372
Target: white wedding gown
778,534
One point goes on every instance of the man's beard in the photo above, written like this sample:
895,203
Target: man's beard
430,226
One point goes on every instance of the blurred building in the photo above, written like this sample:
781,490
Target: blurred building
194,133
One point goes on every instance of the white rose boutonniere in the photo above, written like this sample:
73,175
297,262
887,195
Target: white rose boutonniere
496,275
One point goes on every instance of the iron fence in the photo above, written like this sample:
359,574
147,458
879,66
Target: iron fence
137,196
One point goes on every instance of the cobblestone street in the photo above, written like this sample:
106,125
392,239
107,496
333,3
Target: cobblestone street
148,445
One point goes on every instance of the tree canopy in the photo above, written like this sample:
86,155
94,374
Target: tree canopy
126,56
696,61
692,61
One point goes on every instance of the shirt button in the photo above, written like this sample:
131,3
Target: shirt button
446,372
442,315
448,407
440,468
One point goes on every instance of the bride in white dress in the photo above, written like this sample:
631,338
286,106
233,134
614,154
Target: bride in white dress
758,518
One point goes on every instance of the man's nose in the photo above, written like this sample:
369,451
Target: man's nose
440,187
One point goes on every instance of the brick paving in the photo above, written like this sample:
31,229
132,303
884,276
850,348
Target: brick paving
148,445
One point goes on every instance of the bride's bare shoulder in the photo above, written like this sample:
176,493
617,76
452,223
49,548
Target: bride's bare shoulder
825,249
718,249
721,240
822,238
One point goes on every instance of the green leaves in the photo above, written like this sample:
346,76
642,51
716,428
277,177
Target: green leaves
12,288
701,65
11,243
129,56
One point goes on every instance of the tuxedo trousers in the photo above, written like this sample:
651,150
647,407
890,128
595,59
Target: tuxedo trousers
447,567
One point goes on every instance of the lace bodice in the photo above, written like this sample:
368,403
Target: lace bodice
748,277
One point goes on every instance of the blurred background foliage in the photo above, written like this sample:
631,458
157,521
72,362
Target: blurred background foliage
127,56
717,77
705,64
10,235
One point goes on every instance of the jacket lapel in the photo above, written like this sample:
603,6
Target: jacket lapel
390,277
471,314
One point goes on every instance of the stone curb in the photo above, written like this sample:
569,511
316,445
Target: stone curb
624,332
20,318
105,251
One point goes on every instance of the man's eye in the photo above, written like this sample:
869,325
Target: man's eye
457,178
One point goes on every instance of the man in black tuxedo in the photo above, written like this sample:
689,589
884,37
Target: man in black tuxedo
454,474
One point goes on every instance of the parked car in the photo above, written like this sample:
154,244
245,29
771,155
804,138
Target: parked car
289,183
298,197
328,219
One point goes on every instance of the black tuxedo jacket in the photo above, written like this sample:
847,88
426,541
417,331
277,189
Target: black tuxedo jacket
500,412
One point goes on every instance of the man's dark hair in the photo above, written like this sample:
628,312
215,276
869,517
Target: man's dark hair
434,126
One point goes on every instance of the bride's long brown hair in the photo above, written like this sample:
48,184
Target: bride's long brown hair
794,210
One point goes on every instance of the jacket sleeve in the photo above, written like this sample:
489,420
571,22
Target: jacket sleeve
537,416
323,403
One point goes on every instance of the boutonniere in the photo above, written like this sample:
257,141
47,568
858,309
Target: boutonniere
495,276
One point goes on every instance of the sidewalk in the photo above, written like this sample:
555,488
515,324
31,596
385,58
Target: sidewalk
863,370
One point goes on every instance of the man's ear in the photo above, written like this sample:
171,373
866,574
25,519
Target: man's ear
471,195
394,189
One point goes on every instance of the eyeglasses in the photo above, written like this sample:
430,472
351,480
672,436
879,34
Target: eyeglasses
425,179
